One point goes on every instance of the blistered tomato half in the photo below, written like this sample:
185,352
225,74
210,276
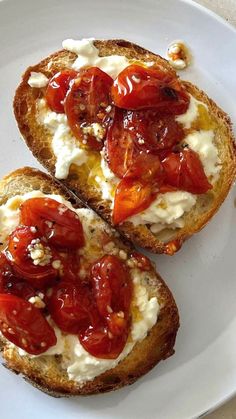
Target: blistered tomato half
87,104
139,87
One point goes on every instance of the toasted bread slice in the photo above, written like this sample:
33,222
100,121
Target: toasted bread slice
46,372
39,140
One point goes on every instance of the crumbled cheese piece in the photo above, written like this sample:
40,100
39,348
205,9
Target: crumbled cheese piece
33,229
56,264
40,254
123,254
37,301
49,223
37,80
62,209
108,247
82,273
108,108
96,130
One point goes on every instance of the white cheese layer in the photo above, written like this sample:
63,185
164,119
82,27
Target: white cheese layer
88,56
166,210
187,118
37,80
202,142
65,146
80,365
108,182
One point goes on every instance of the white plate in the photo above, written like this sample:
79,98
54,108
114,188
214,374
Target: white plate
202,373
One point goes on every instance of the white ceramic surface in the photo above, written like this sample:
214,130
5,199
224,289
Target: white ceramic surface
202,373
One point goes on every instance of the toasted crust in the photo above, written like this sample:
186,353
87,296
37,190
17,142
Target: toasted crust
45,372
39,139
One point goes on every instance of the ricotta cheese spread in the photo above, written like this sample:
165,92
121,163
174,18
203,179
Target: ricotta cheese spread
65,146
187,118
203,143
37,80
80,365
88,56
167,209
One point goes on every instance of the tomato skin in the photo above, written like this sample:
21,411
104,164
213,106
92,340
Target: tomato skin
10,283
138,87
86,103
18,255
57,88
71,307
111,285
120,147
66,230
24,325
112,291
71,265
131,197
99,342
146,167
153,132
139,186
184,170
132,133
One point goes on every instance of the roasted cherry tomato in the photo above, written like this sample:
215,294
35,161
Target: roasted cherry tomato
24,325
10,283
112,291
146,167
138,87
86,103
152,132
131,197
57,88
100,342
61,226
22,247
71,307
135,131
70,262
143,262
120,148
139,186
184,170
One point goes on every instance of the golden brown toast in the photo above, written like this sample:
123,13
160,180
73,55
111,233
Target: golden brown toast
39,139
46,372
